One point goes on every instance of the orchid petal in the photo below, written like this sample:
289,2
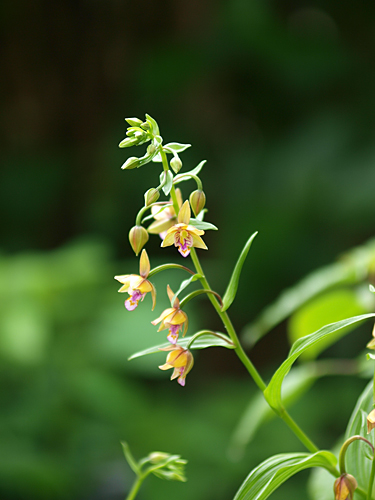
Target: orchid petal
144,264
184,213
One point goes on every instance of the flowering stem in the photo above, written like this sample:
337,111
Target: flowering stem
246,361
164,267
206,332
345,447
191,295
135,488
192,176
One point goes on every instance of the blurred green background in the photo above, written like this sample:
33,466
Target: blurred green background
278,96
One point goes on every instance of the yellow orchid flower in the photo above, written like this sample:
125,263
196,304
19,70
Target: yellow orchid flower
173,319
164,219
137,285
181,360
182,235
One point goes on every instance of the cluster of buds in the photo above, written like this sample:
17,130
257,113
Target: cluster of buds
173,223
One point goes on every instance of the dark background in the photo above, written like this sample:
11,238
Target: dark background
279,98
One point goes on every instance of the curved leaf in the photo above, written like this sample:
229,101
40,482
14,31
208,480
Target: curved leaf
200,224
166,181
356,458
274,471
186,283
176,146
201,343
183,176
273,391
233,283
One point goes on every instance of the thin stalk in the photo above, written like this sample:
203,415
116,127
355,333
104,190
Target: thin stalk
246,361
135,488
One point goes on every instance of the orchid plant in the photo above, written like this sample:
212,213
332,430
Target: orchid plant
352,474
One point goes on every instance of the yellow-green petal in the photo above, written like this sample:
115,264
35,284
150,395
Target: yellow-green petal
184,213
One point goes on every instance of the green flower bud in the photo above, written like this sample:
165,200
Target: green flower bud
151,196
197,201
158,456
128,141
134,122
132,162
145,126
176,164
151,149
344,487
138,237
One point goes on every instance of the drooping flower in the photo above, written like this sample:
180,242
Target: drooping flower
164,219
137,285
182,235
370,421
181,360
344,487
172,318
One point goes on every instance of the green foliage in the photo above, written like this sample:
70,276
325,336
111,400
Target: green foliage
326,308
273,390
231,290
202,342
274,471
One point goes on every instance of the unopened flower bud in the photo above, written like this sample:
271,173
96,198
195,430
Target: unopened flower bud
129,141
132,162
138,237
370,421
158,456
151,149
197,201
344,487
134,122
176,164
145,126
151,196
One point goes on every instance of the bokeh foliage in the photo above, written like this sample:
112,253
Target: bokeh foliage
278,97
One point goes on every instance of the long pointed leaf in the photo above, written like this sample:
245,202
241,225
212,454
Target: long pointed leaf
274,471
273,390
233,283
201,343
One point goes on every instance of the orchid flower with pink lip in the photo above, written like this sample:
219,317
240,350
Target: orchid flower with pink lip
182,235
137,285
181,360
172,318
164,219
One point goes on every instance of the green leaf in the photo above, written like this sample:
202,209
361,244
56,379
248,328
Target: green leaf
274,471
273,391
166,180
356,460
184,284
332,306
153,124
176,146
129,458
298,381
353,267
201,224
233,283
195,171
372,289
202,342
